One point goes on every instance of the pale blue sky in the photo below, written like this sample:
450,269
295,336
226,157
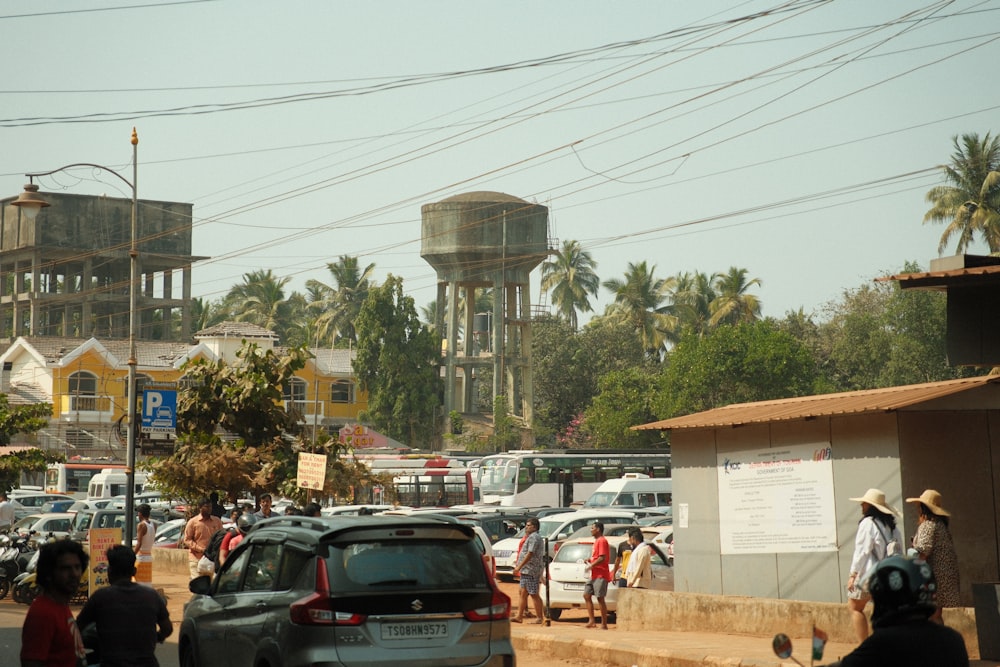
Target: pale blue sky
798,144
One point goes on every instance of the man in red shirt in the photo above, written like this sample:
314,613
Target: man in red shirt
600,575
49,637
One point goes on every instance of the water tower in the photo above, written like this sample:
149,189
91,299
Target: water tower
476,241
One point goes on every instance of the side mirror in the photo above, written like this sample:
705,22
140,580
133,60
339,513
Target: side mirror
200,585
561,536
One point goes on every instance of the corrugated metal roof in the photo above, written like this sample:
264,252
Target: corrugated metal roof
943,279
821,405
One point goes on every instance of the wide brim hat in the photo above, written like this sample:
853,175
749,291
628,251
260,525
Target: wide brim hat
932,499
876,497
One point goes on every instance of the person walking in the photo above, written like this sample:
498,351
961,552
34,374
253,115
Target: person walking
7,513
131,619
877,537
198,533
903,592
145,533
639,570
600,574
49,636
934,544
530,563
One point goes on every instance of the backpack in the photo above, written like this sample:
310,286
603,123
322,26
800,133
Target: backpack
892,546
214,544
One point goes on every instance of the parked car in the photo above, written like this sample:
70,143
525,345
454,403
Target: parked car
169,533
378,590
52,524
58,505
556,527
567,575
610,530
497,526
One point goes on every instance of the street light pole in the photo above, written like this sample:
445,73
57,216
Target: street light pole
30,203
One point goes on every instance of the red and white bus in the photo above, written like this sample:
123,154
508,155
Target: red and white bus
420,480
73,477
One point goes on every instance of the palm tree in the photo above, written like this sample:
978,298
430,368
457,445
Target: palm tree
640,301
691,296
260,300
971,203
732,304
571,279
339,306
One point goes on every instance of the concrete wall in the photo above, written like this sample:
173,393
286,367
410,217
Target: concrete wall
640,610
865,455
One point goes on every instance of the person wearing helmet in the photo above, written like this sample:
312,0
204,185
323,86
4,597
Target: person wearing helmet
903,590
245,524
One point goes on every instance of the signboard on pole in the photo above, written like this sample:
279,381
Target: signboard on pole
312,471
159,411
100,540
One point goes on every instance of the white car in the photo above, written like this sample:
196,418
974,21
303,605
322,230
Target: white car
53,524
567,575
504,553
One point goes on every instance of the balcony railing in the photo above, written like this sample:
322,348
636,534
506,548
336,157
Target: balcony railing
87,408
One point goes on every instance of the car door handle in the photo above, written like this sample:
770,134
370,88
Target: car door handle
261,606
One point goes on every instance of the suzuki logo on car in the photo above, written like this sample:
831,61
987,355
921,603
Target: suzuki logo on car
416,605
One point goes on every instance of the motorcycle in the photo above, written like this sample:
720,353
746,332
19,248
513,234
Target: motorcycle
25,589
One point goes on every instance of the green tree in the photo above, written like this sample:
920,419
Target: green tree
733,303
691,296
752,361
878,335
641,301
624,399
505,432
243,399
970,204
22,419
397,364
338,305
571,279
260,299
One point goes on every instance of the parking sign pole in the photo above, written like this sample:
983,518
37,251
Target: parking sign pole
548,582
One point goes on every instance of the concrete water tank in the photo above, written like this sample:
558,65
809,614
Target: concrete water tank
468,237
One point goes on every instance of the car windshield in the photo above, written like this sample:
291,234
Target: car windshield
600,499
366,566
572,553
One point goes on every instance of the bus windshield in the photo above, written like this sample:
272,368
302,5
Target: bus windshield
498,477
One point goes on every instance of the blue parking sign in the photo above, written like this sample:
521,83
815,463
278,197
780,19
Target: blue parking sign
159,411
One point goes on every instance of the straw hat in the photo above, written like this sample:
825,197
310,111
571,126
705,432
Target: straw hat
877,498
932,499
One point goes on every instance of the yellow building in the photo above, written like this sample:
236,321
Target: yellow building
87,382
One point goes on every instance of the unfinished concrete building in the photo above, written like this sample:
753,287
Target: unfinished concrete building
66,273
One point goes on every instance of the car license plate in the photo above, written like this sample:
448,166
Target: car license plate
414,630
572,587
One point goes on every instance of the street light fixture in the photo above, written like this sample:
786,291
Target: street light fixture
30,203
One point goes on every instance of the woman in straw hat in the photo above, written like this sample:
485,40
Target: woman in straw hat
877,538
933,542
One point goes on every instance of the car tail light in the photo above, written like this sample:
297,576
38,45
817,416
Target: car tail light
499,608
316,608
555,548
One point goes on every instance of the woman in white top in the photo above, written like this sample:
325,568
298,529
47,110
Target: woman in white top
877,538
145,533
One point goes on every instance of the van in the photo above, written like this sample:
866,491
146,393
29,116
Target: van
633,490
112,482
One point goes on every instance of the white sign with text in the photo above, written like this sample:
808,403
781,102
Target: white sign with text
777,500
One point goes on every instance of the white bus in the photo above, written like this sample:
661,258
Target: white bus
559,479
73,477
112,482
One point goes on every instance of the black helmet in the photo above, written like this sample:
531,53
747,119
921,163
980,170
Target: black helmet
246,522
901,586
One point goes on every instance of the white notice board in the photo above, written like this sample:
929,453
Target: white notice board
777,500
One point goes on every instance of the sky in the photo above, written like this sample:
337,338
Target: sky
794,139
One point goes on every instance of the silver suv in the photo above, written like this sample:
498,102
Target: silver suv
346,590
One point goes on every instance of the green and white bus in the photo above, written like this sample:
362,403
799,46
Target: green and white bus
560,478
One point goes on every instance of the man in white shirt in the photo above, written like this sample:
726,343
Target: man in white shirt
639,571
6,512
